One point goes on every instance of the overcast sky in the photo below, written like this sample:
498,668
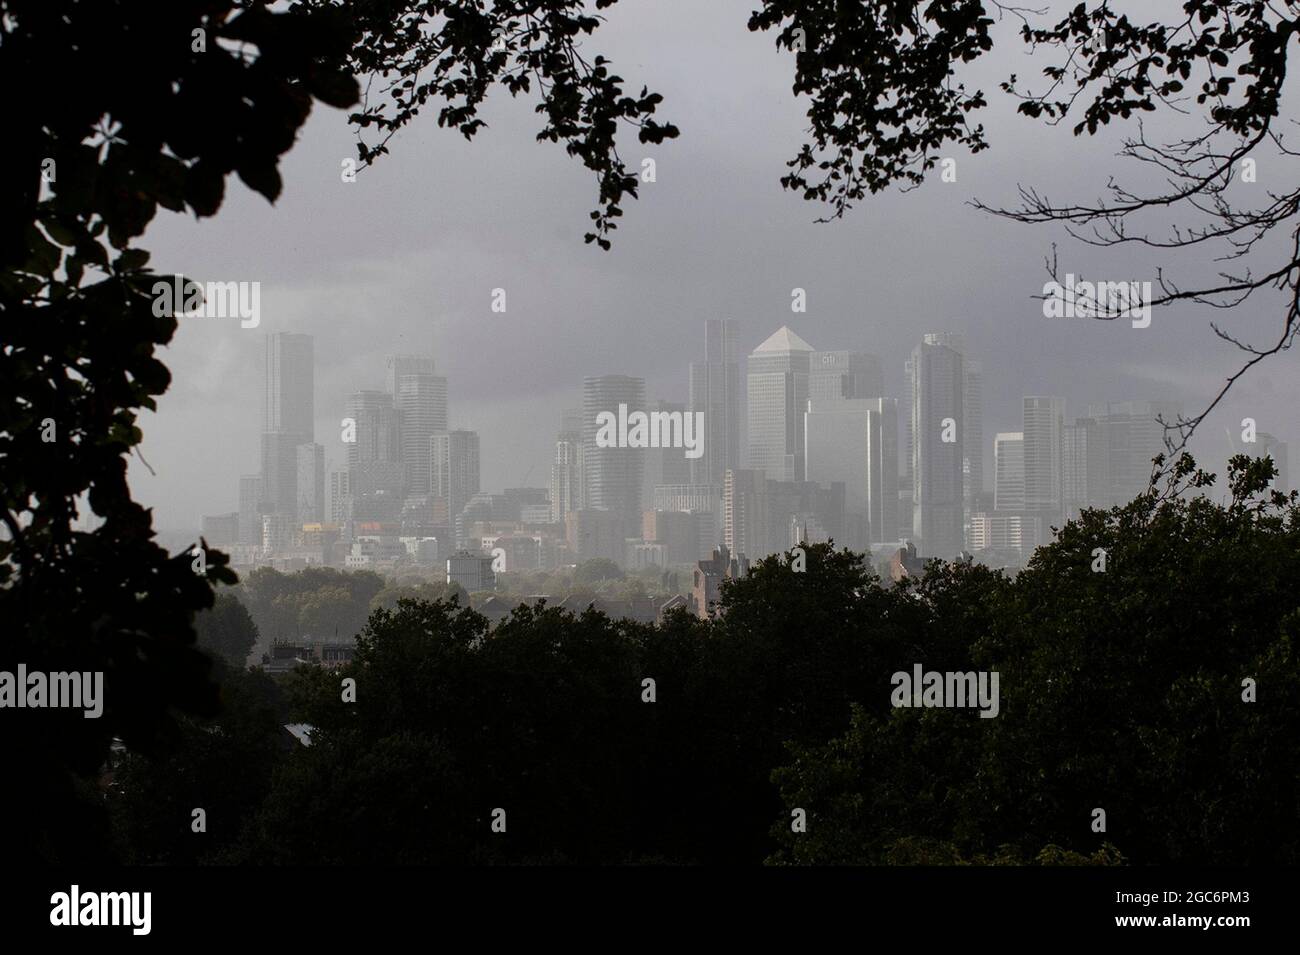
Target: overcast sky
405,258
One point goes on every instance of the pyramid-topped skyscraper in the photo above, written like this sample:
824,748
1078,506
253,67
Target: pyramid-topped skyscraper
777,388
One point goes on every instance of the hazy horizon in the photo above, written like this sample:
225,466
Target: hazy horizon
404,260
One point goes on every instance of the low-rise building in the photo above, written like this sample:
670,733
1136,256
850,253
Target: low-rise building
905,562
472,571
708,576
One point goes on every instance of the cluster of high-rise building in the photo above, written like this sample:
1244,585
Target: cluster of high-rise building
401,476
795,445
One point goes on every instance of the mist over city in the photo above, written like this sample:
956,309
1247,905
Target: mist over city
851,443
404,261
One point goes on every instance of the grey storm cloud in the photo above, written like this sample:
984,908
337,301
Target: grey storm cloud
405,259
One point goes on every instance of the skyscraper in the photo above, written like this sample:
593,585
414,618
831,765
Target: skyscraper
279,485
701,501
835,449
777,390
972,414
420,398
1044,426
715,392
375,471
762,516
1074,468
938,398
833,375
1129,434
454,465
1009,471
855,441
882,473
664,465
906,480
399,366
311,483
340,496
612,479
973,440
289,400
566,476
288,415
742,515
250,513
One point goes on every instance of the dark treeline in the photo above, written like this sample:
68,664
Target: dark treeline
1121,689
329,605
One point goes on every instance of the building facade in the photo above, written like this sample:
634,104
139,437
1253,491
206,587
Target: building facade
420,398
777,397
455,466
613,476
715,391
938,457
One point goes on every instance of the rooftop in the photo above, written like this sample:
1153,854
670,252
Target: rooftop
784,340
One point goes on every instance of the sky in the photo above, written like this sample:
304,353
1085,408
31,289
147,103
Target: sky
404,260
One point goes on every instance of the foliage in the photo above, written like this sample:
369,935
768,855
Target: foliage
440,50
81,332
596,570
1119,690
319,602
387,598
221,766
227,630
879,79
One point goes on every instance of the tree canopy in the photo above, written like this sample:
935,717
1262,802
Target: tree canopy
227,630
1162,690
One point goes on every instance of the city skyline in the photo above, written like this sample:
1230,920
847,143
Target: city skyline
403,481
404,260
1211,443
